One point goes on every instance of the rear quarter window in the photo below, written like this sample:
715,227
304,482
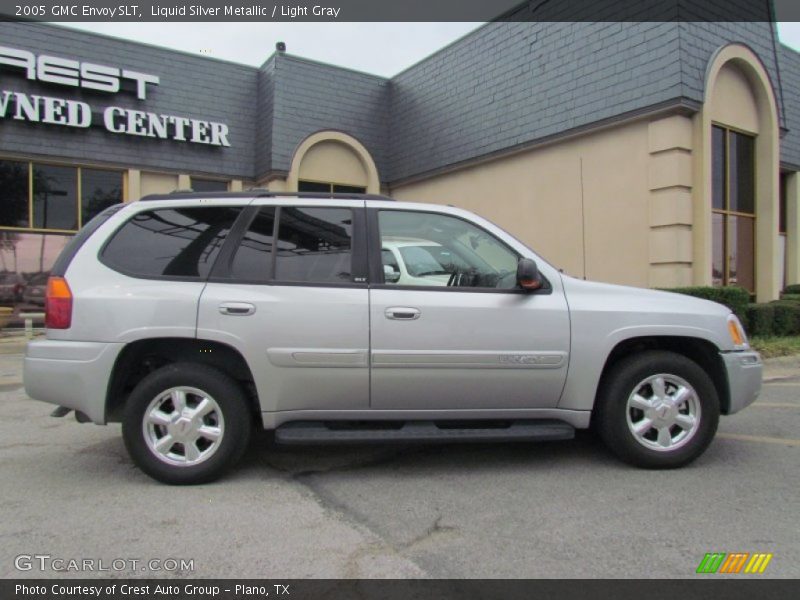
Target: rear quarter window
170,243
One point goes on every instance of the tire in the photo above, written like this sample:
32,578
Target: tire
653,427
195,444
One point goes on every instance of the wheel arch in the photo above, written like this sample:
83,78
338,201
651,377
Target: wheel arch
699,350
141,357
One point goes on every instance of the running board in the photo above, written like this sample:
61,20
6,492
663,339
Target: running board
308,432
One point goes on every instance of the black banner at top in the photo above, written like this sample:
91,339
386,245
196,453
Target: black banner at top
400,10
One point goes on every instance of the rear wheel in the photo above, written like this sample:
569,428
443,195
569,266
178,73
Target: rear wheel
186,423
657,410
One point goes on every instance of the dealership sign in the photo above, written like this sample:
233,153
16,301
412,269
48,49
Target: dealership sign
75,113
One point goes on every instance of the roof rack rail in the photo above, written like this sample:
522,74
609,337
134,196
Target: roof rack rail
261,193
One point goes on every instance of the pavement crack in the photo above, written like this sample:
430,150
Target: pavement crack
434,531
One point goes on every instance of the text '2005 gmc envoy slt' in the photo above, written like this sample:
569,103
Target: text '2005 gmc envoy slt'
191,319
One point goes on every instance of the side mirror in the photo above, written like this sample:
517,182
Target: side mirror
528,275
390,275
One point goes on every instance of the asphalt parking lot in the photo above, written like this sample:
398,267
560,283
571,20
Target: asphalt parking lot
557,510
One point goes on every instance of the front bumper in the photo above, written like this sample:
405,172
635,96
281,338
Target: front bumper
744,371
70,374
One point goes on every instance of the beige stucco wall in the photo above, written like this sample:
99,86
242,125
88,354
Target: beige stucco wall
332,161
547,196
731,100
158,183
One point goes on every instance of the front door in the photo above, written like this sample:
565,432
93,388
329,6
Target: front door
449,327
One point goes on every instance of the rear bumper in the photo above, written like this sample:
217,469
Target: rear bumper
70,374
745,371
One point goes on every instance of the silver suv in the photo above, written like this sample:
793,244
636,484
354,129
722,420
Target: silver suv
191,319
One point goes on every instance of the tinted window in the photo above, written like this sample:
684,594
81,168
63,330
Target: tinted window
315,245
313,186
209,185
742,173
13,194
99,189
170,242
718,158
253,259
55,197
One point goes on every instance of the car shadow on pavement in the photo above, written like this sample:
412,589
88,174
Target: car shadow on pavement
302,460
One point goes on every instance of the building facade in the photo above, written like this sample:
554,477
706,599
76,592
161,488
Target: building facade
647,154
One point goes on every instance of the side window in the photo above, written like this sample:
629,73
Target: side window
439,250
314,245
253,259
170,242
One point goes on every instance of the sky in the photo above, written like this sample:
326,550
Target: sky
379,48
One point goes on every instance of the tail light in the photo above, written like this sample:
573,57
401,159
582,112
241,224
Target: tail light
58,305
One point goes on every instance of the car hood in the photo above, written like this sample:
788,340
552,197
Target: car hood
628,298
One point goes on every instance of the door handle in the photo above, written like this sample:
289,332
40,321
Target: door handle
237,309
402,313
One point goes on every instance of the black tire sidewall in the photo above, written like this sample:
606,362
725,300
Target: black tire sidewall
620,383
232,403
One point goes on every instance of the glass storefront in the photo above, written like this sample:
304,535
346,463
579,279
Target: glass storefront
41,206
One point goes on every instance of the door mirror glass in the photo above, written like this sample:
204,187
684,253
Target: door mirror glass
390,275
528,274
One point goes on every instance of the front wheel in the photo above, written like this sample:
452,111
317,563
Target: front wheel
657,410
186,423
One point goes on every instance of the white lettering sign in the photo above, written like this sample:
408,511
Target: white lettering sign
74,113
126,121
65,71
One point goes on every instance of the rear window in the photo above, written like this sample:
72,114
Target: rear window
75,244
182,242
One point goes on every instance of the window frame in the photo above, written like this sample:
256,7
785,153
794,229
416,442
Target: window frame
726,213
105,262
376,263
221,271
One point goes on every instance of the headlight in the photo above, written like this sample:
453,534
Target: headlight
736,331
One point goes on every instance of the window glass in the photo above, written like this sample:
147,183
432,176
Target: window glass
718,167
13,194
99,190
718,249
741,243
784,180
25,263
348,189
55,191
314,245
313,186
439,250
327,188
209,185
741,175
253,259
171,242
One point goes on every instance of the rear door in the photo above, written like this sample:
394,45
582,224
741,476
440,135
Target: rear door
289,292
